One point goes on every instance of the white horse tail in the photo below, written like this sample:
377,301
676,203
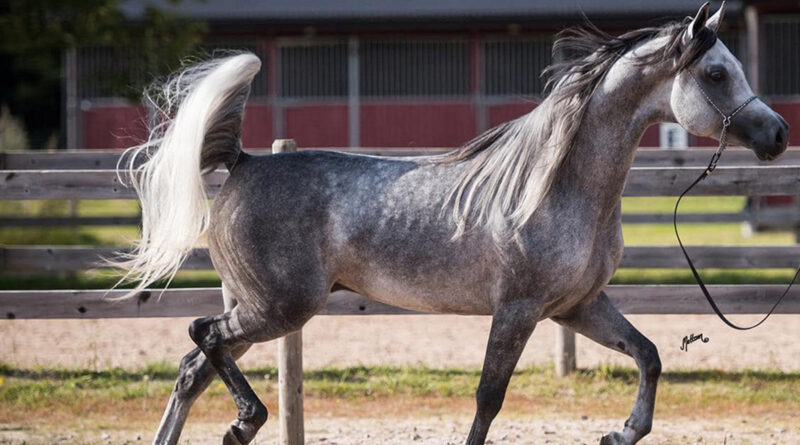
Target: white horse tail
200,111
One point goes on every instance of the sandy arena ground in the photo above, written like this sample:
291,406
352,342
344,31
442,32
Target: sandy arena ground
449,431
433,340
437,341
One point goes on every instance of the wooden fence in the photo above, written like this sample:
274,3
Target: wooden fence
89,175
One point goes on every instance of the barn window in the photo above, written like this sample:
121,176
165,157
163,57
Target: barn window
106,72
514,66
109,72
313,69
780,71
414,68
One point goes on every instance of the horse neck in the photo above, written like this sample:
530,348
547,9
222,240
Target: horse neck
627,101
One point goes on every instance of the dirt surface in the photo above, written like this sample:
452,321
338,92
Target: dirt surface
433,340
445,431
437,341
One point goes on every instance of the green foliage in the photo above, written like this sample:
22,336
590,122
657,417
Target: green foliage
35,33
12,132
689,204
27,389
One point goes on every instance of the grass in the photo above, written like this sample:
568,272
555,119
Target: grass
600,392
689,204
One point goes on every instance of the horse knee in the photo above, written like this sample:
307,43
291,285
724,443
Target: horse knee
490,400
651,362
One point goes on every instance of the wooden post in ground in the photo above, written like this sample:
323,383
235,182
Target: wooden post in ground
290,364
565,351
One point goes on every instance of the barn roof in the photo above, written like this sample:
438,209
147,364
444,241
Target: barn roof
355,11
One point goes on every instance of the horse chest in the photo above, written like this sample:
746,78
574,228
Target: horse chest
584,268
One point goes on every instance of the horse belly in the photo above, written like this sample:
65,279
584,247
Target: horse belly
427,296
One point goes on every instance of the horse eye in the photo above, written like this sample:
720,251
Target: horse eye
716,75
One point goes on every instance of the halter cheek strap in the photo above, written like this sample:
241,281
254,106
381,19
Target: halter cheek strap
726,122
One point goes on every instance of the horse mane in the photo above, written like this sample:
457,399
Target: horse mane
511,168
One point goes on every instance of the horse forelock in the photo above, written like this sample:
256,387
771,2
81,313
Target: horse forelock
511,168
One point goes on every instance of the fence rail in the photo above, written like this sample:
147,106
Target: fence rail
75,258
642,181
787,217
645,157
198,302
90,175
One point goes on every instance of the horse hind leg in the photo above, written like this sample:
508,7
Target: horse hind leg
282,310
194,375
216,337
600,321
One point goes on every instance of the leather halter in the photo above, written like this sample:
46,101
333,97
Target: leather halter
726,122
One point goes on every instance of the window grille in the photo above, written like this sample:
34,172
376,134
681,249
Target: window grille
514,66
104,72
780,66
414,68
110,72
313,70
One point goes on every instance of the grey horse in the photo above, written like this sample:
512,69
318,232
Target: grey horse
523,223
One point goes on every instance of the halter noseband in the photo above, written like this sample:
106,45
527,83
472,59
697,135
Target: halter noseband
726,122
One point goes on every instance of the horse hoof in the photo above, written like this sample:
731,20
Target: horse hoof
230,438
235,435
614,438
239,433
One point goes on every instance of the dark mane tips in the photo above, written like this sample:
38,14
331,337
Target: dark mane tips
583,54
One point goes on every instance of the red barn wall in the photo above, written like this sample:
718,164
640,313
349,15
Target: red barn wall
319,125
257,126
791,112
383,124
118,126
419,124
497,114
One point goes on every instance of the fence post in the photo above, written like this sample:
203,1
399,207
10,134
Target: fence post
565,351
290,364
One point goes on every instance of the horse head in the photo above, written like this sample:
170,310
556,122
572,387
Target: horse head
714,86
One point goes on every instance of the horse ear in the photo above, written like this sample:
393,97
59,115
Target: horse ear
697,24
716,19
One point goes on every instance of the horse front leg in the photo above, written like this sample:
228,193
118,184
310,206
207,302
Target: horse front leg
600,321
512,325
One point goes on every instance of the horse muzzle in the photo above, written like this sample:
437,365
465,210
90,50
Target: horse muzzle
768,138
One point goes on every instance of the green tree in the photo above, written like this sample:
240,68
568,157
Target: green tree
35,33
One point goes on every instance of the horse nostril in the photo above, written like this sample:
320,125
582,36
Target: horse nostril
781,138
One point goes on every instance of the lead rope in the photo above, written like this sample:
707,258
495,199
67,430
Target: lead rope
726,122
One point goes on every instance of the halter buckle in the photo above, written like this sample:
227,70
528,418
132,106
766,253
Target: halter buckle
726,121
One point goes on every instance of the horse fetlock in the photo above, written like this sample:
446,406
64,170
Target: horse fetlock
613,438
255,414
629,436
636,429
